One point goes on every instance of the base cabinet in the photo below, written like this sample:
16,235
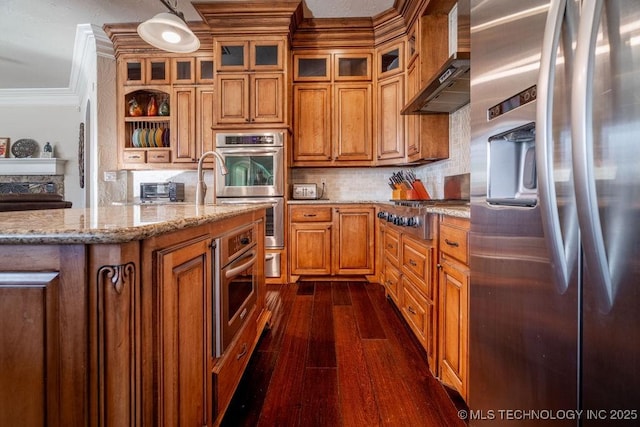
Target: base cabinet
120,334
410,282
331,240
454,303
184,330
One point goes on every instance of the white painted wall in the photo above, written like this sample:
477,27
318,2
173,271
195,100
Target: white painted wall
57,124
54,115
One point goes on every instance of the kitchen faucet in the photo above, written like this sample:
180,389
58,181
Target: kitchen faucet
201,188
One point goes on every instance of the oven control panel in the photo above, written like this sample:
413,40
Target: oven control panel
236,242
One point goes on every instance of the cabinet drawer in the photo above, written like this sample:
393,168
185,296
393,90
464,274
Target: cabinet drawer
416,262
310,214
392,281
134,156
454,239
232,365
159,156
415,309
392,246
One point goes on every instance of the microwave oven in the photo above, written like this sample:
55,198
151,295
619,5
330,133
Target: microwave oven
162,191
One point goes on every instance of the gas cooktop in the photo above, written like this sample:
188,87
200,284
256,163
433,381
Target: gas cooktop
431,202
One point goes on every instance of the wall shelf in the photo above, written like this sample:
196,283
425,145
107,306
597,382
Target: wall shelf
32,166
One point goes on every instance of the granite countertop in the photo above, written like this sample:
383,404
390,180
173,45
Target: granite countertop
461,211
110,224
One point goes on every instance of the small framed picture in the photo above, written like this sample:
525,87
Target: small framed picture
4,147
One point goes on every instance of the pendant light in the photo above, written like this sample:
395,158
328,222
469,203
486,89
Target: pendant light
169,31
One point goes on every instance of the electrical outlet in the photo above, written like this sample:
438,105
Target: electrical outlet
110,176
323,181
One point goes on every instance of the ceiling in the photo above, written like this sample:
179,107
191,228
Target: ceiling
37,36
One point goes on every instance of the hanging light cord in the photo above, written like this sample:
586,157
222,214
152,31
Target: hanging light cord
174,9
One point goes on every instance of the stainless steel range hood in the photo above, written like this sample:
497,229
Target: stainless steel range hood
447,91
449,88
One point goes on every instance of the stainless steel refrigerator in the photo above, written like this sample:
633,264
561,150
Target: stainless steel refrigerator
555,213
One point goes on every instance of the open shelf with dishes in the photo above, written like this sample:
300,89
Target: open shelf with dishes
147,119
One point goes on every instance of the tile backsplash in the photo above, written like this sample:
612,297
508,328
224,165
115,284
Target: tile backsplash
371,183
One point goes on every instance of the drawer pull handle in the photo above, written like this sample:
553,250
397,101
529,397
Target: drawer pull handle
450,243
411,310
412,263
310,215
243,352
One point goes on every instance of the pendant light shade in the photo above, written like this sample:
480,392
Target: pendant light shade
169,31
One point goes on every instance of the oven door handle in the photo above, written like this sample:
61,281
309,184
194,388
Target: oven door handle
225,151
235,270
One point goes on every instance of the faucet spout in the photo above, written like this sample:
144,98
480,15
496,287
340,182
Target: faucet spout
201,188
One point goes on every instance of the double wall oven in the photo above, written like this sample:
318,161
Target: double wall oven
255,163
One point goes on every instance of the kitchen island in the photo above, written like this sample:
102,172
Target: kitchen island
108,315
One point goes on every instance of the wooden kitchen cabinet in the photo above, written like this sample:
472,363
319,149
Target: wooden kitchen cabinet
183,126
312,67
418,259
173,140
312,123
354,240
427,135
420,314
391,124
409,280
184,382
353,122
331,240
137,70
311,248
185,321
390,100
249,53
333,116
43,316
192,70
250,98
250,81
333,124
392,282
454,303
310,240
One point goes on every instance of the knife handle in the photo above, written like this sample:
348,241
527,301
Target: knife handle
422,192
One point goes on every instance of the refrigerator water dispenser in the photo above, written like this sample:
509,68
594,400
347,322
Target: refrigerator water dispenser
512,168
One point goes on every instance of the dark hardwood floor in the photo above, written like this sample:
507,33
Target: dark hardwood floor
337,354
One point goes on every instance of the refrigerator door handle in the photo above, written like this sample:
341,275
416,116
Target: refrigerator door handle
544,147
582,153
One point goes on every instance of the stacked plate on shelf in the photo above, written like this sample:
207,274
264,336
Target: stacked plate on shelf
150,137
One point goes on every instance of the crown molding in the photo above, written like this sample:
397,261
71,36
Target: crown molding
90,39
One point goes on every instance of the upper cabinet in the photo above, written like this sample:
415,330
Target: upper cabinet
144,71
391,125
251,55
241,54
333,108
160,116
250,81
